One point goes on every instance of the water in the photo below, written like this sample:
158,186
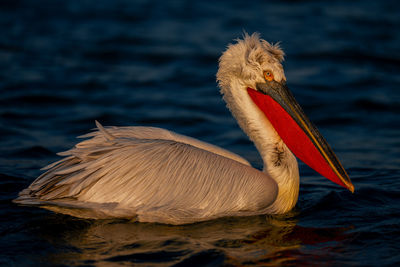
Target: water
66,63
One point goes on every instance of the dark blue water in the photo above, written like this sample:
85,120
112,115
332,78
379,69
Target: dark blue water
153,63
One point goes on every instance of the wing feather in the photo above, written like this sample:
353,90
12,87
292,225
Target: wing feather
141,132
121,173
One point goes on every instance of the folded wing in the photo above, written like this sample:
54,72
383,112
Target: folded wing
150,174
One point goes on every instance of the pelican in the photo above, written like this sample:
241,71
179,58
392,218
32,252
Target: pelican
150,174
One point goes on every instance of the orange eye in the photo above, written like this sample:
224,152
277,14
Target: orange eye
268,76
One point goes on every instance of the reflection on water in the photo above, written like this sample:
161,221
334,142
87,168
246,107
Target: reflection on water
267,240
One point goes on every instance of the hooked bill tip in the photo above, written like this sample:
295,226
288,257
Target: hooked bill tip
350,187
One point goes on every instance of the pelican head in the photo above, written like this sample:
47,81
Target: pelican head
253,84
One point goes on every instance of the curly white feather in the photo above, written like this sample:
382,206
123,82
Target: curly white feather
154,180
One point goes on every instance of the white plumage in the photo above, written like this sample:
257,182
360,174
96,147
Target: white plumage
155,175
150,174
